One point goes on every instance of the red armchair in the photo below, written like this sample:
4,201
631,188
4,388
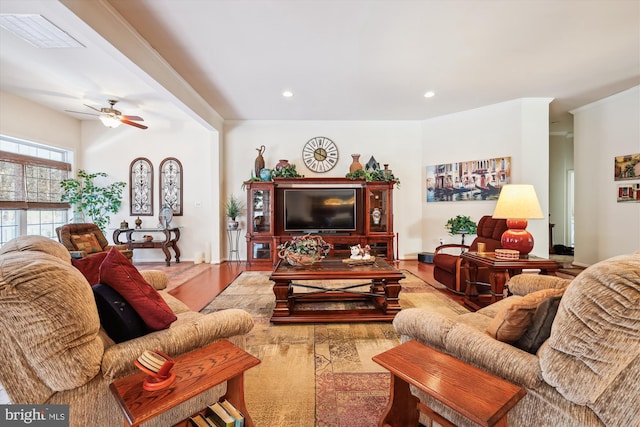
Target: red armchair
446,267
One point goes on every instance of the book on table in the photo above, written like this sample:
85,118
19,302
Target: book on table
218,416
237,415
199,420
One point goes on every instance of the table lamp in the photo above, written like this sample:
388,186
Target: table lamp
516,204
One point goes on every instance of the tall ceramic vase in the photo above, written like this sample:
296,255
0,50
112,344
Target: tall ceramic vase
259,163
356,165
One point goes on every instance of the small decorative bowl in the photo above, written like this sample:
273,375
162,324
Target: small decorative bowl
148,238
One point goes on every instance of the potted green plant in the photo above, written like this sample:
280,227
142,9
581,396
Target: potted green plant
233,207
461,224
286,171
91,200
376,175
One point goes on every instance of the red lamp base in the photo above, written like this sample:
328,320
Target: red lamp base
516,237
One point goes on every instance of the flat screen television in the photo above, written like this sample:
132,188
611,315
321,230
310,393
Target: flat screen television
318,210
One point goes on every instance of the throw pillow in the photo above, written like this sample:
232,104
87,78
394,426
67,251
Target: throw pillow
540,328
86,242
120,321
117,272
90,266
511,322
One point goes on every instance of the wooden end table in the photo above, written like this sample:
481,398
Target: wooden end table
479,396
196,372
384,289
500,270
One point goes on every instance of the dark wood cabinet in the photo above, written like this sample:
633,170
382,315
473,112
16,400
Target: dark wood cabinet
368,220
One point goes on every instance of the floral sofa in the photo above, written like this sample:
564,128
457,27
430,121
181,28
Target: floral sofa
55,351
586,373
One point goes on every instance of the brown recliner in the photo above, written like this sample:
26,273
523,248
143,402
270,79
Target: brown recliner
73,237
446,267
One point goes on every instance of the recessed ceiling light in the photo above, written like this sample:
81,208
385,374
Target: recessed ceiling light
38,31
287,94
429,94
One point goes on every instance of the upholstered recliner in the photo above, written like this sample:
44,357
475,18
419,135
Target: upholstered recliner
447,267
80,240
586,373
55,351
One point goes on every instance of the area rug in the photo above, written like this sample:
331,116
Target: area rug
318,375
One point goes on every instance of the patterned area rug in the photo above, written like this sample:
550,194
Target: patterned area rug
318,375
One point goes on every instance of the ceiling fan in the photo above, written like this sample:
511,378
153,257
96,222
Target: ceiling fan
111,117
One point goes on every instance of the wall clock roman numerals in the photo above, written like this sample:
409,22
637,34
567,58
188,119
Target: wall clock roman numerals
320,154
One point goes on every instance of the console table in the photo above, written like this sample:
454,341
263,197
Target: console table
499,272
170,240
381,278
196,372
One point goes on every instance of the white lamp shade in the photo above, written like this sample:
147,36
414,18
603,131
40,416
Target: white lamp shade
518,201
109,120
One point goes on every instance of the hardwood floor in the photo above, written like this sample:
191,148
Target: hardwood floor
201,289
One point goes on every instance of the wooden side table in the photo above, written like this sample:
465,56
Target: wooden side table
196,372
479,396
500,270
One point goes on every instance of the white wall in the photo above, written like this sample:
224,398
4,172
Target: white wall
516,129
23,119
98,149
112,150
394,142
603,130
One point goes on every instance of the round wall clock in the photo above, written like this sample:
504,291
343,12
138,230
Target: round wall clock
320,154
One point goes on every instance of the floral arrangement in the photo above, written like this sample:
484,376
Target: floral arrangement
304,250
461,225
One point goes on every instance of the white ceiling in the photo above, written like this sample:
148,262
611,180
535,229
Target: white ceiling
344,60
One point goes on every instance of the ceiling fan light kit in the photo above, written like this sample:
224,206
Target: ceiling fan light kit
112,118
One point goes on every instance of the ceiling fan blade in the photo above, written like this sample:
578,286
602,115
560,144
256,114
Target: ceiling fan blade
80,112
93,108
136,118
138,125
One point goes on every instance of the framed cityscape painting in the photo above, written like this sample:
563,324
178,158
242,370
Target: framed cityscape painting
468,181
627,167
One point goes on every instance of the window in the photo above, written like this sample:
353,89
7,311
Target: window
30,176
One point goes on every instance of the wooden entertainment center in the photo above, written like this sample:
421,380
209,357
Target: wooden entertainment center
268,225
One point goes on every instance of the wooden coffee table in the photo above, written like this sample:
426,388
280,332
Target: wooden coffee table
500,270
381,278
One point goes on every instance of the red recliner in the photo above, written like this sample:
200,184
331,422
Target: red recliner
446,267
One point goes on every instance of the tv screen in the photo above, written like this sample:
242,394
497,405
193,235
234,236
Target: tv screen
320,209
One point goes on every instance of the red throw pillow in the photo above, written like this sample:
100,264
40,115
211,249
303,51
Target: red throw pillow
117,272
90,266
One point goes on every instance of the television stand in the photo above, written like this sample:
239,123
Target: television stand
266,228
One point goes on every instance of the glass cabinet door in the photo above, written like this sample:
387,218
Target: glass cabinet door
261,201
378,204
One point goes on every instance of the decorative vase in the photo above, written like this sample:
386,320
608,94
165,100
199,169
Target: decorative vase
265,174
282,163
138,222
387,172
356,165
232,224
259,163
124,225
376,215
